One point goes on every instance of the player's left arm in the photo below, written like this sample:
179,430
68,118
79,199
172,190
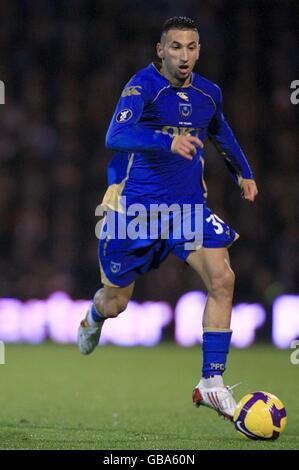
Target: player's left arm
224,140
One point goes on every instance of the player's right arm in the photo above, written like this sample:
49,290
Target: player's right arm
127,134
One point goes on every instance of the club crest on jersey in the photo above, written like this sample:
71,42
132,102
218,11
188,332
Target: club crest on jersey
115,267
124,115
185,109
183,95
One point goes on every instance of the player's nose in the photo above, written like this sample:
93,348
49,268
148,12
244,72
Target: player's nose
184,56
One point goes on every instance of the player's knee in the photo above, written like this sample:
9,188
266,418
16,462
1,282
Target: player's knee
222,283
115,306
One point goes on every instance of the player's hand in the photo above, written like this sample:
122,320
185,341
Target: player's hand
186,145
249,189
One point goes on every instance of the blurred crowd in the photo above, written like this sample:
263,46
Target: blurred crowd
64,64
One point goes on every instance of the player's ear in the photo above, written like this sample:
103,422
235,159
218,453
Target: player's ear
159,50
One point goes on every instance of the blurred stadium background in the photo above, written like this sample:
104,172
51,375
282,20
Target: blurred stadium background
64,64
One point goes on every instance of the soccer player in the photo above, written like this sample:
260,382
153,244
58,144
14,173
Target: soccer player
158,130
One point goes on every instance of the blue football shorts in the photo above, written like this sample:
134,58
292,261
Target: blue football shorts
128,249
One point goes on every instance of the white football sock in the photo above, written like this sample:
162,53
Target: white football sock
90,319
215,381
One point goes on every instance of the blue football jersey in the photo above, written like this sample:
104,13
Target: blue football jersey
150,112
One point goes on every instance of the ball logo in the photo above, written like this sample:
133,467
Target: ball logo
124,115
239,426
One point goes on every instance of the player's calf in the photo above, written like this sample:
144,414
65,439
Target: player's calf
111,301
221,285
114,306
108,302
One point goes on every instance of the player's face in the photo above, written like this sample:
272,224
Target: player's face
179,50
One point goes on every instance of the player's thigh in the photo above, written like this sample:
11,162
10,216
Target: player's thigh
213,266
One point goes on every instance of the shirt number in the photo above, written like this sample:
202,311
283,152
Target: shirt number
216,221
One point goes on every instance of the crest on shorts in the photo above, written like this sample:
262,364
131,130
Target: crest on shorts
115,267
185,109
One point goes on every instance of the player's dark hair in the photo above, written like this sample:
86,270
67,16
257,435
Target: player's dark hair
179,22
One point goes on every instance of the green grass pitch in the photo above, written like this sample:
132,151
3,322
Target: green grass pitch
132,398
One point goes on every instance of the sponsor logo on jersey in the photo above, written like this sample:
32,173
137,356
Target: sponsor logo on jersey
131,90
175,130
124,115
183,95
